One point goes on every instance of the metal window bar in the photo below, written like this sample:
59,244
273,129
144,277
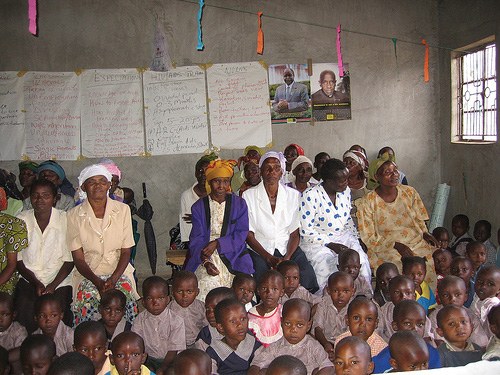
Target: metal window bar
477,95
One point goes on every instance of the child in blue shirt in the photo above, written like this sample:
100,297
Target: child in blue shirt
414,268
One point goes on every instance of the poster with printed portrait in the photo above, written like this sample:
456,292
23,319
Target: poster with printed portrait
289,91
331,94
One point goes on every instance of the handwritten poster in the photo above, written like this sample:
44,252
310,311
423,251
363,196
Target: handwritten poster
239,109
112,113
12,141
175,114
52,104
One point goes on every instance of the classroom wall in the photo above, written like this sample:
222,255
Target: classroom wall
460,24
386,109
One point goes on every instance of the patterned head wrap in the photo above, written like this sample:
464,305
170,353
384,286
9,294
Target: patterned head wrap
274,154
219,168
28,164
52,166
299,149
3,200
91,171
206,159
301,159
113,169
375,165
258,149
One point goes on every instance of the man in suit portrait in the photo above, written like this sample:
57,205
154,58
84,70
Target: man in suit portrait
291,97
327,93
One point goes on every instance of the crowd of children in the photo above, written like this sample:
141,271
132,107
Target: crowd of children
274,325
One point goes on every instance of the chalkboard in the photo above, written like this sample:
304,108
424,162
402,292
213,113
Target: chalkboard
12,141
52,104
239,105
175,111
112,113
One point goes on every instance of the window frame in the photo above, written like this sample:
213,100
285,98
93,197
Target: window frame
457,135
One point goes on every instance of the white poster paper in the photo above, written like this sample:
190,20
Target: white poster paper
175,114
52,104
239,109
12,141
112,113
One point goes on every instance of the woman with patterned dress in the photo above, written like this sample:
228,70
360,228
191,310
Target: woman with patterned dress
392,219
326,226
100,238
13,239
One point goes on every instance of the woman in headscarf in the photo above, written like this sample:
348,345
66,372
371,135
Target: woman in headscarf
292,152
252,155
273,211
326,225
220,227
301,174
100,237
357,164
50,170
392,219
27,176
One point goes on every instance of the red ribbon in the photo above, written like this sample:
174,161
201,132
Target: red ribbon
260,36
339,53
426,64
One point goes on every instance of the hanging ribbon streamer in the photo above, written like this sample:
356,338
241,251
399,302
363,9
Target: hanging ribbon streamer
394,40
32,16
260,36
426,65
200,45
339,54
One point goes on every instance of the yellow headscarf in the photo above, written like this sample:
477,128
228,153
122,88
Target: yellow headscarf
256,148
219,168
374,166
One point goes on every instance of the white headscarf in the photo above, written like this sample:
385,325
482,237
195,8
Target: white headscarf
274,154
91,171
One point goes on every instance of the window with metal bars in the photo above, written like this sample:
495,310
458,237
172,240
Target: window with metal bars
475,94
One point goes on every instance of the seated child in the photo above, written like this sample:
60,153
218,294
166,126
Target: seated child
455,327
353,356
290,271
234,353
286,365
459,228
192,361
71,363
487,288
128,355
244,286
349,262
493,349
476,252
112,310
385,272
442,262
37,354
162,330
482,233
295,322
442,236
408,315
91,341
191,310
264,320
48,315
401,288
209,332
330,318
12,333
452,289
415,269
408,351
362,319
463,268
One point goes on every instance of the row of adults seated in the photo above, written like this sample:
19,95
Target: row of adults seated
280,219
